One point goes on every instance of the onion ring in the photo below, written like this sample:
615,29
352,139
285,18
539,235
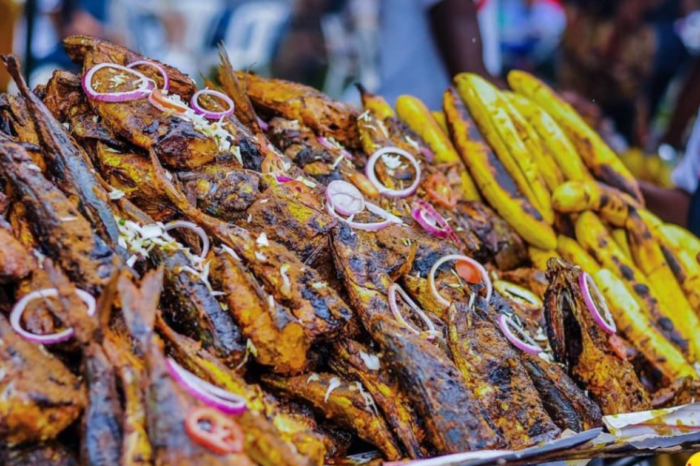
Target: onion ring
372,175
456,257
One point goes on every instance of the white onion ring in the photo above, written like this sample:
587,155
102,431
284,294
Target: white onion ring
457,257
21,305
145,87
393,289
588,289
431,221
161,70
194,227
529,345
209,394
194,103
345,198
372,175
389,219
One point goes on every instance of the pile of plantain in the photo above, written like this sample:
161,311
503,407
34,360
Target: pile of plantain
179,288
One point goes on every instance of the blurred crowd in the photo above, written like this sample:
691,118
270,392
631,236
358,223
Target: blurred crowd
632,67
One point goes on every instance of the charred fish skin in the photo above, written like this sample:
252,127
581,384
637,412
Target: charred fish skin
452,415
41,397
492,370
66,162
582,345
44,454
101,424
62,231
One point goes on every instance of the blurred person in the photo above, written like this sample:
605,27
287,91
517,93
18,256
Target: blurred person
607,56
424,43
530,33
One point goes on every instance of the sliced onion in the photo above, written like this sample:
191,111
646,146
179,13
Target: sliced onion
263,124
182,109
456,257
522,341
519,295
595,302
389,219
283,179
376,210
18,311
430,220
209,394
428,154
395,288
194,103
161,70
372,174
332,147
194,227
345,198
146,85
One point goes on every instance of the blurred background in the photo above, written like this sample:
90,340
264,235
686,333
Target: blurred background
632,67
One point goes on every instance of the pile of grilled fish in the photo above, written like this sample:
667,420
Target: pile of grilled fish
177,265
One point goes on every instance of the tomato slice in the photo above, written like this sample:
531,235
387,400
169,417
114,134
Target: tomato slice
440,191
468,272
167,105
214,430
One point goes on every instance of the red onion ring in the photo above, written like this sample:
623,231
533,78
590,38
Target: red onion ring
161,70
263,124
145,87
345,198
332,147
194,103
372,175
529,345
456,257
21,305
591,294
153,101
393,289
283,179
431,221
209,394
194,227
375,226
428,154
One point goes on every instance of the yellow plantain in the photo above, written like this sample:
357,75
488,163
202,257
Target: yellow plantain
495,184
572,252
440,120
539,257
577,196
417,116
620,237
553,138
376,104
682,262
598,157
596,240
489,110
634,324
547,166
685,239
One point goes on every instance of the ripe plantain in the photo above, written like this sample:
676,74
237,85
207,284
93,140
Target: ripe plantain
375,104
685,239
440,120
674,325
681,261
577,196
417,116
495,184
620,237
547,166
553,138
539,257
631,320
490,112
634,324
598,157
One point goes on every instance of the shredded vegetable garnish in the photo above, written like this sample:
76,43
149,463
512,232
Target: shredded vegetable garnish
286,283
116,194
262,240
370,360
334,383
313,378
370,406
